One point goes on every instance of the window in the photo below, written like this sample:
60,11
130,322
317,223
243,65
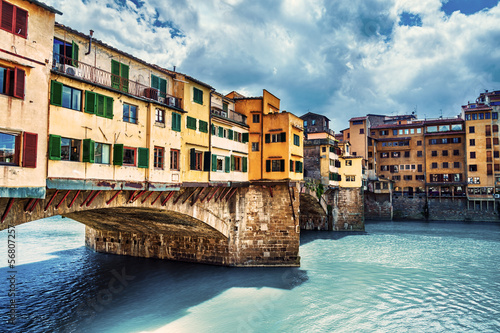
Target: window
255,146
218,163
472,129
445,153
278,137
433,142
197,95
159,84
129,155
419,177
191,122
357,122
395,154
174,159
119,75
401,131
176,122
408,177
494,115
203,126
496,154
445,165
65,53
159,156
472,154
323,149
473,167
348,163
256,118
383,133
196,160
98,104
456,152
14,19
396,178
467,117
384,168
456,140
434,153
456,165
296,140
102,153
481,115
12,82
419,153
407,154
419,142
434,165
472,142
370,154
350,178
394,132
129,113
277,165
384,155
419,167
65,96
361,131
70,149
160,116
9,148
474,116
236,164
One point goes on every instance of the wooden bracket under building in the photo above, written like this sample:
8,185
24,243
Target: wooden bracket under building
50,201
62,200
159,195
7,209
74,198
113,197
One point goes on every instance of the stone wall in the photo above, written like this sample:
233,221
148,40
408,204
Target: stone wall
349,213
378,206
406,208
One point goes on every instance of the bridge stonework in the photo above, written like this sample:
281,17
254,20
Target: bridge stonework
255,225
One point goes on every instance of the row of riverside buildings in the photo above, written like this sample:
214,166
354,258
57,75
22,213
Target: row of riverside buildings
76,111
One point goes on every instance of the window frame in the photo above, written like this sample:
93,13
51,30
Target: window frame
175,159
96,147
159,157
16,20
128,112
125,148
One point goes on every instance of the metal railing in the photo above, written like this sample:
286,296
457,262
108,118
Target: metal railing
232,115
92,74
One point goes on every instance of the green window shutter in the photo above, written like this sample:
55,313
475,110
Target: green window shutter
54,147
74,53
192,159
244,164
163,87
283,137
124,77
198,96
176,122
227,164
203,126
244,137
118,154
268,165
230,134
56,89
115,74
232,162
90,102
225,107
143,155
297,166
221,132
109,107
282,165
100,105
206,161
301,164
213,129
191,122
291,166
88,151
268,138
155,82
214,162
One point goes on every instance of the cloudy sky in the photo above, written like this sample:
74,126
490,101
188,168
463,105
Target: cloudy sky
340,58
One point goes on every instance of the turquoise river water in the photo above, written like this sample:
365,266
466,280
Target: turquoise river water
396,277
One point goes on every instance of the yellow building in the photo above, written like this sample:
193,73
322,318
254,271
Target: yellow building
25,52
115,117
275,138
352,174
229,141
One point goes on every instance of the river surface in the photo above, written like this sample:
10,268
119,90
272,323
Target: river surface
397,277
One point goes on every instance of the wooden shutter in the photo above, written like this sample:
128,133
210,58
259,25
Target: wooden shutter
19,83
235,136
233,163
90,102
124,70
115,74
54,147
88,151
100,105
176,122
291,165
282,165
192,159
30,142
7,16
268,165
203,126
227,164
143,154
109,107
191,122
230,134
56,89
297,166
244,137
206,161
268,138
163,87
213,129
155,81
74,53
214,162
118,154
21,26
244,164
283,137
221,132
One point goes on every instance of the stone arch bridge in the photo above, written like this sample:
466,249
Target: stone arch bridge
255,224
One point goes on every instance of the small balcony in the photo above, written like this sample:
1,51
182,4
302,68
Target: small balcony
231,115
319,129
92,74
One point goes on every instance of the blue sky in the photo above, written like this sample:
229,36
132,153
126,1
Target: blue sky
341,58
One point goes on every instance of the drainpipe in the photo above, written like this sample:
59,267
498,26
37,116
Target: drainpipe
90,42
209,132
262,162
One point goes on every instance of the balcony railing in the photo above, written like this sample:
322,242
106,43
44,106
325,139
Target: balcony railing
92,74
319,129
232,115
